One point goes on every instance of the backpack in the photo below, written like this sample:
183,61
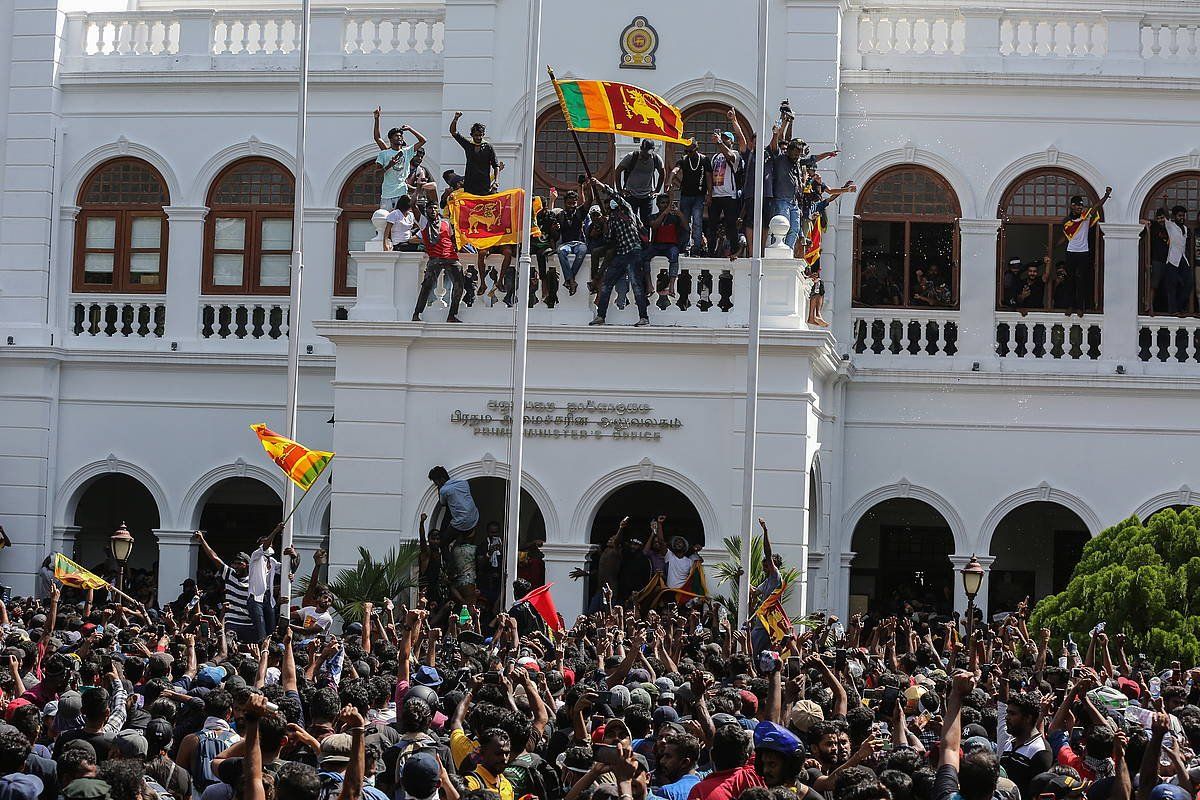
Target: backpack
209,744
394,759
532,774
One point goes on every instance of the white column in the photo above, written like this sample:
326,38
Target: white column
981,39
817,594
1119,340
569,595
176,561
64,540
785,296
843,603
60,305
977,289
185,254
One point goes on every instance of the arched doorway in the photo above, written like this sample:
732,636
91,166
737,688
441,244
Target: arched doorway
1036,546
107,502
642,501
236,513
903,548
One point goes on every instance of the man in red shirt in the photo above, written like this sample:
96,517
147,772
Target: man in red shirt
442,253
732,772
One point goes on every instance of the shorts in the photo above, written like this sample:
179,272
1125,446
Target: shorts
462,561
389,203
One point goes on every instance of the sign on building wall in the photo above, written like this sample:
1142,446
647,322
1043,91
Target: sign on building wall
581,420
639,40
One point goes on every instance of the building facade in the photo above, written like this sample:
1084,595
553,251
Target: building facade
949,410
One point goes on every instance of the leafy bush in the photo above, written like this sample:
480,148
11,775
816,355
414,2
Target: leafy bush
371,581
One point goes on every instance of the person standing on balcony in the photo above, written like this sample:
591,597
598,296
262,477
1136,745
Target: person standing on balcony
1177,260
437,234
394,161
723,193
693,172
1081,267
623,227
640,177
1160,241
482,173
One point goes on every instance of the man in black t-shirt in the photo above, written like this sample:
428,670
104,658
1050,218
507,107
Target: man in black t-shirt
483,170
693,173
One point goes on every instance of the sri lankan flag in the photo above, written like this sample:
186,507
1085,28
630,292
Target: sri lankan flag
695,585
1071,226
68,573
609,107
812,253
301,465
772,616
487,220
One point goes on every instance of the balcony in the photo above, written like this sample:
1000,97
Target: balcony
1125,39
407,40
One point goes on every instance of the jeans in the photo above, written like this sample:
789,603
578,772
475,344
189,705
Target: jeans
1179,282
791,210
629,266
692,209
570,258
723,214
668,249
258,620
432,268
644,206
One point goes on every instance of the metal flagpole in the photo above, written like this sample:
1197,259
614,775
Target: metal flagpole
755,322
297,279
512,519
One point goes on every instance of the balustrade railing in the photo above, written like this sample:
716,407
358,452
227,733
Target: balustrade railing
259,318
911,31
1048,336
1061,34
130,34
904,332
1171,39
1169,340
118,317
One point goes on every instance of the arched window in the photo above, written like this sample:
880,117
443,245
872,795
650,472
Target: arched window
359,200
556,161
906,240
1032,213
248,233
121,230
1180,189
699,122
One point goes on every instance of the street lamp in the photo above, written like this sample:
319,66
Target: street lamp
121,543
972,578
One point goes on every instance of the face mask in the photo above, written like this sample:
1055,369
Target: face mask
612,204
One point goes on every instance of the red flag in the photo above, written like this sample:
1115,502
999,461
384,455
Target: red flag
540,599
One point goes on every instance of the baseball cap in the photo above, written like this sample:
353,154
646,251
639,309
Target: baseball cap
86,789
421,776
664,684
620,699
209,676
131,744
1129,688
335,749
664,714
240,555
1061,786
20,786
974,731
639,697
803,714
1169,791
978,743
722,719
158,733
427,676
749,700
769,736
638,676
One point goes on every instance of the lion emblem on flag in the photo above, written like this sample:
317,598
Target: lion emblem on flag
484,215
642,105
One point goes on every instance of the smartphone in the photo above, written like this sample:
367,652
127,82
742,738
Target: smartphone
491,677
606,753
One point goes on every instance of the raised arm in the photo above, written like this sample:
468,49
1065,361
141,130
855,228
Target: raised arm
252,766
421,140
454,124
320,558
198,537
377,133
353,723
964,684
736,127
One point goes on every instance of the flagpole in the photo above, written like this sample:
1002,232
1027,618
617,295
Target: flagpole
516,447
755,323
574,136
297,276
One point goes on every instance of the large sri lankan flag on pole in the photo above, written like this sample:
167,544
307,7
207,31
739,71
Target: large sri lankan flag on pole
609,107
301,465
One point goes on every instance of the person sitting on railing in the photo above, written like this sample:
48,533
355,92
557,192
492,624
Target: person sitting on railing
624,234
665,232
437,234
393,161
571,244
400,232
595,230
543,241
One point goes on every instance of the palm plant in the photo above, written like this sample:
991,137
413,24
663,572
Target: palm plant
729,571
371,581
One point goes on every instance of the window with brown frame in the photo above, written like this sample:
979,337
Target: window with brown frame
358,201
699,122
556,161
248,232
1032,212
906,240
1180,189
121,230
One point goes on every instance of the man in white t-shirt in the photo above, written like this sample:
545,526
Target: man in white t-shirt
723,204
400,233
1081,266
316,619
1178,266
679,560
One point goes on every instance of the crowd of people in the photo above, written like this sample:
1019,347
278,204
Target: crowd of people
456,697
700,206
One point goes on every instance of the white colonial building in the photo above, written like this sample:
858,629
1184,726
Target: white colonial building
148,176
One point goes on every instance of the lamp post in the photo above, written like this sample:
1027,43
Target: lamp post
121,543
972,578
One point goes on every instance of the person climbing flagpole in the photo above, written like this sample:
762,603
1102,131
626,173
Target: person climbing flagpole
516,441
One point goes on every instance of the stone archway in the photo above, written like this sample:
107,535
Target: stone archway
902,549
103,505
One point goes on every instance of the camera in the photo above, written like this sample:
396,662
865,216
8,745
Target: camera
6,594
785,109
491,677
768,662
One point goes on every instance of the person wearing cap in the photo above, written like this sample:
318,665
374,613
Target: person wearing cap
779,758
640,177
159,766
235,576
1081,266
723,204
634,571
421,776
